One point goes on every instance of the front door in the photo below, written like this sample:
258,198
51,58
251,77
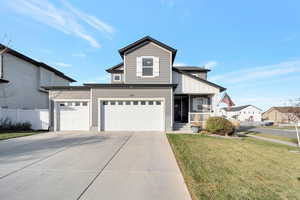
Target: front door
181,109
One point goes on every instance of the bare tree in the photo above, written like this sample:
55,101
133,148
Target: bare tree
293,115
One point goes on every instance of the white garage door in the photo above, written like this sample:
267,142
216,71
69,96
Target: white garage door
73,116
135,115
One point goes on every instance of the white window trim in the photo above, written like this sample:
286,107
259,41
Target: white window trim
153,57
114,75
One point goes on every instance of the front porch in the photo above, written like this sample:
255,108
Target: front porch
189,108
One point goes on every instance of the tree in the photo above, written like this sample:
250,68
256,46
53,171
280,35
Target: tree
293,115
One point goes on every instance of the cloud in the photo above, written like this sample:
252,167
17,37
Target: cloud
67,19
61,64
81,55
170,3
91,20
211,64
259,73
289,37
177,64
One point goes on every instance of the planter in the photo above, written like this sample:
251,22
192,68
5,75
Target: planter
195,129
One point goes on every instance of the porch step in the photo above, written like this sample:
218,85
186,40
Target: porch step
181,127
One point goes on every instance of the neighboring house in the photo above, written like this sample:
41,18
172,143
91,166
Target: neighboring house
146,93
242,113
22,79
282,114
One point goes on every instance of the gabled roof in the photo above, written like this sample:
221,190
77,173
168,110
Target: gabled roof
192,68
199,79
115,68
238,108
286,109
144,41
36,63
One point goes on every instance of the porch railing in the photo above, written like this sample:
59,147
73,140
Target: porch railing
203,116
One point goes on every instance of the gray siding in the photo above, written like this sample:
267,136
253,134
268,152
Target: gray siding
202,75
165,93
23,90
112,78
148,50
70,94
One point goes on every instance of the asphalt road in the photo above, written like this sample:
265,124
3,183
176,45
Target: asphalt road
284,133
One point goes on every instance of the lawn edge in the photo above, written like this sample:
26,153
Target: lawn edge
180,165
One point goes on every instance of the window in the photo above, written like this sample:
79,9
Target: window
147,67
158,102
127,102
84,103
120,102
135,103
77,103
143,102
112,103
104,102
117,77
150,103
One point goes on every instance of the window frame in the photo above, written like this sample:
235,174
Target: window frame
148,57
114,77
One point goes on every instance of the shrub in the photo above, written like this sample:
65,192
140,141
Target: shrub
7,125
220,126
204,132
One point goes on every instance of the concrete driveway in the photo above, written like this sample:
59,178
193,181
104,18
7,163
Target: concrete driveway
90,166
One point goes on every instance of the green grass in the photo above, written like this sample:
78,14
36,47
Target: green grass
5,136
218,168
286,139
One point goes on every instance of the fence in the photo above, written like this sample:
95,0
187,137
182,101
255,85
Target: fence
38,118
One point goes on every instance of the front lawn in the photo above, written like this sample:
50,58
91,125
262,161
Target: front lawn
286,139
218,168
4,136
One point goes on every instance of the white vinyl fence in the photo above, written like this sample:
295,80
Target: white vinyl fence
38,118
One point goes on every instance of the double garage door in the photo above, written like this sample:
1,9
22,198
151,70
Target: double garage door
132,115
115,115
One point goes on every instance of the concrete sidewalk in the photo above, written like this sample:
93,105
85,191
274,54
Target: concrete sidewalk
274,140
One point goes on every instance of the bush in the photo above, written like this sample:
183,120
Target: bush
220,126
7,125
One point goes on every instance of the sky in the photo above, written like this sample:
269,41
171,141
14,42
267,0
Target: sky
251,47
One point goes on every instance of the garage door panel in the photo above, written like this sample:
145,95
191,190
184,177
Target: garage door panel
140,117
74,116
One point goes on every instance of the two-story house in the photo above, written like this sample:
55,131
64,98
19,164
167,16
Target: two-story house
22,79
146,93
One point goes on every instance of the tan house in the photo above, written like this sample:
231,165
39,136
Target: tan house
281,114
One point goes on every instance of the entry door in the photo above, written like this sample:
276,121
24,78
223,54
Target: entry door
181,108
135,115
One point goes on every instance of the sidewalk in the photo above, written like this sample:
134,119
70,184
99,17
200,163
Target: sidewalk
274,140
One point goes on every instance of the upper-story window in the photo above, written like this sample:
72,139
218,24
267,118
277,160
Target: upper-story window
117,77
147,67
